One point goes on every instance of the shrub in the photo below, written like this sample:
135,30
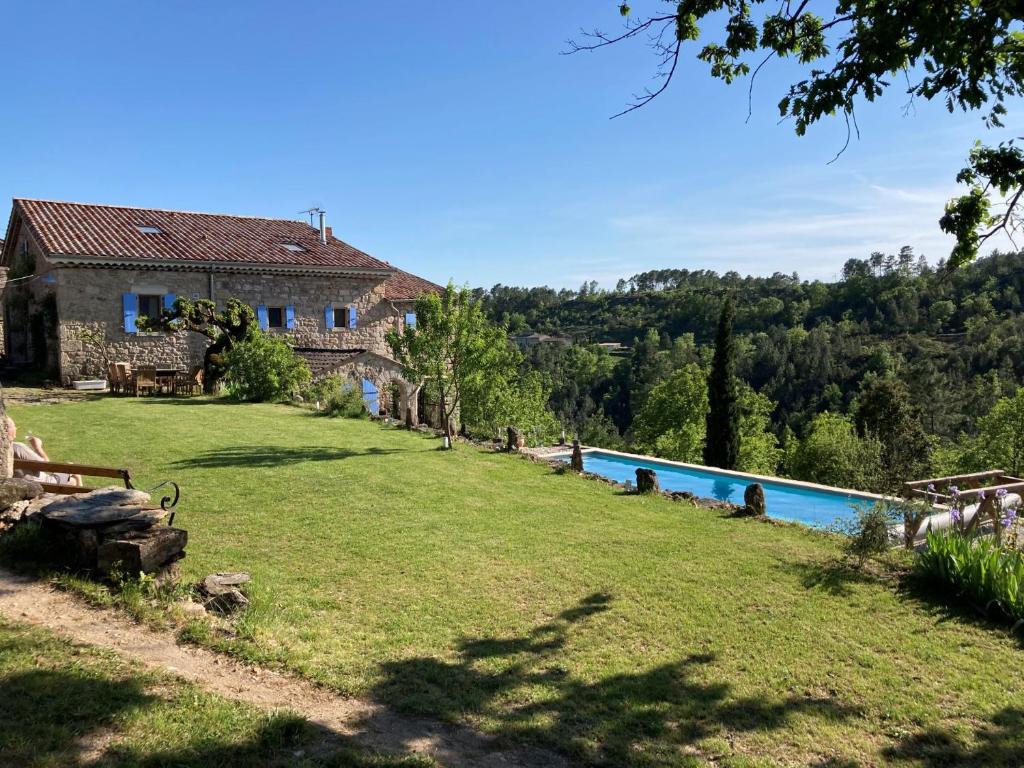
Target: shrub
869,536
337,396
264,369
977,568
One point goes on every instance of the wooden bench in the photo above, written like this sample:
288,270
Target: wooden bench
86,470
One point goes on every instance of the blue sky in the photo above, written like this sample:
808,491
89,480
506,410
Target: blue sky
453,140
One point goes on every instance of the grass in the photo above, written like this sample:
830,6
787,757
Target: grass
68,705
484,589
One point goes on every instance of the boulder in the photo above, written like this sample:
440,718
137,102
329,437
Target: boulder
577,457
753,501
15,489
223,593
647,481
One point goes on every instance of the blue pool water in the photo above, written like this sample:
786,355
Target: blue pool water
811,506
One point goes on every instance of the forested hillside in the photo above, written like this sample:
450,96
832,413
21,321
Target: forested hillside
943,346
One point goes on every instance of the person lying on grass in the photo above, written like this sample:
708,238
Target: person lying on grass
34,452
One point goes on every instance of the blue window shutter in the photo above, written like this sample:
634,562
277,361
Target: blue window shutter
169,299
352,316
289,317
261,315
130,304
410,319
329,317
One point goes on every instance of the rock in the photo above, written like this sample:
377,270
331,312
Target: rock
516,440
218,583
15,489
753,500
192,608
577,457
227,602
100,507
646,481
170,573
14,513
142,551
222,591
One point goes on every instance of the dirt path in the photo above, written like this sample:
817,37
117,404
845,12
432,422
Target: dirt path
368,724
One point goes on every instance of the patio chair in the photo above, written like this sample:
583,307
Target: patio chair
124,375
114,377
189,383
145,379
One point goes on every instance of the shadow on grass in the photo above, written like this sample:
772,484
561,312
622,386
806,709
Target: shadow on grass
836,576
940,602
642,718
182,400
273,456
73,717
998,742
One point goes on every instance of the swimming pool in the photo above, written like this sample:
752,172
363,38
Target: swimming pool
813,505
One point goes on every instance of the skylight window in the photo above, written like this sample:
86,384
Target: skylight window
146,229
293,247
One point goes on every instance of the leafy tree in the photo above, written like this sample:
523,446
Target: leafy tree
1000,440
884,412
722,447
759,448
264,369
234,324
832,453
451,345
501,395
968,53
672,421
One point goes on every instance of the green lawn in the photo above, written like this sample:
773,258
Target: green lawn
485,589
68,705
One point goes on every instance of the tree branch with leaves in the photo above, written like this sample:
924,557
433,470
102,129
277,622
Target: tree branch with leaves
225,328
970,53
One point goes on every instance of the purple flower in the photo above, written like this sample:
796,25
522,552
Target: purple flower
1000,493
931,487
956,515
1011,517
954,491
981,495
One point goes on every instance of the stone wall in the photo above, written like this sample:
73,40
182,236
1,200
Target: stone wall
92,323
29,306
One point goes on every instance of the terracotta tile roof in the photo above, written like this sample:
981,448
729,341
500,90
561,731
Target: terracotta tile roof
403,286
81,229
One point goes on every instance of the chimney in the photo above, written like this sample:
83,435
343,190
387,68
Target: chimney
330,232
323,229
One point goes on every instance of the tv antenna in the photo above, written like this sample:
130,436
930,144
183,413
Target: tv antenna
311,212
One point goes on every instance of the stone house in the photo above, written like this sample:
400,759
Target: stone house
79,276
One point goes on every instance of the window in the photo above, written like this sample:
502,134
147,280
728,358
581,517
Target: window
410,319
294,247
149,305
341,317
275,317
147,229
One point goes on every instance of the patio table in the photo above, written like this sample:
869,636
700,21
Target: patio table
165,376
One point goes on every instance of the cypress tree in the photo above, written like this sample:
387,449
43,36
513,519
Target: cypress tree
722,446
